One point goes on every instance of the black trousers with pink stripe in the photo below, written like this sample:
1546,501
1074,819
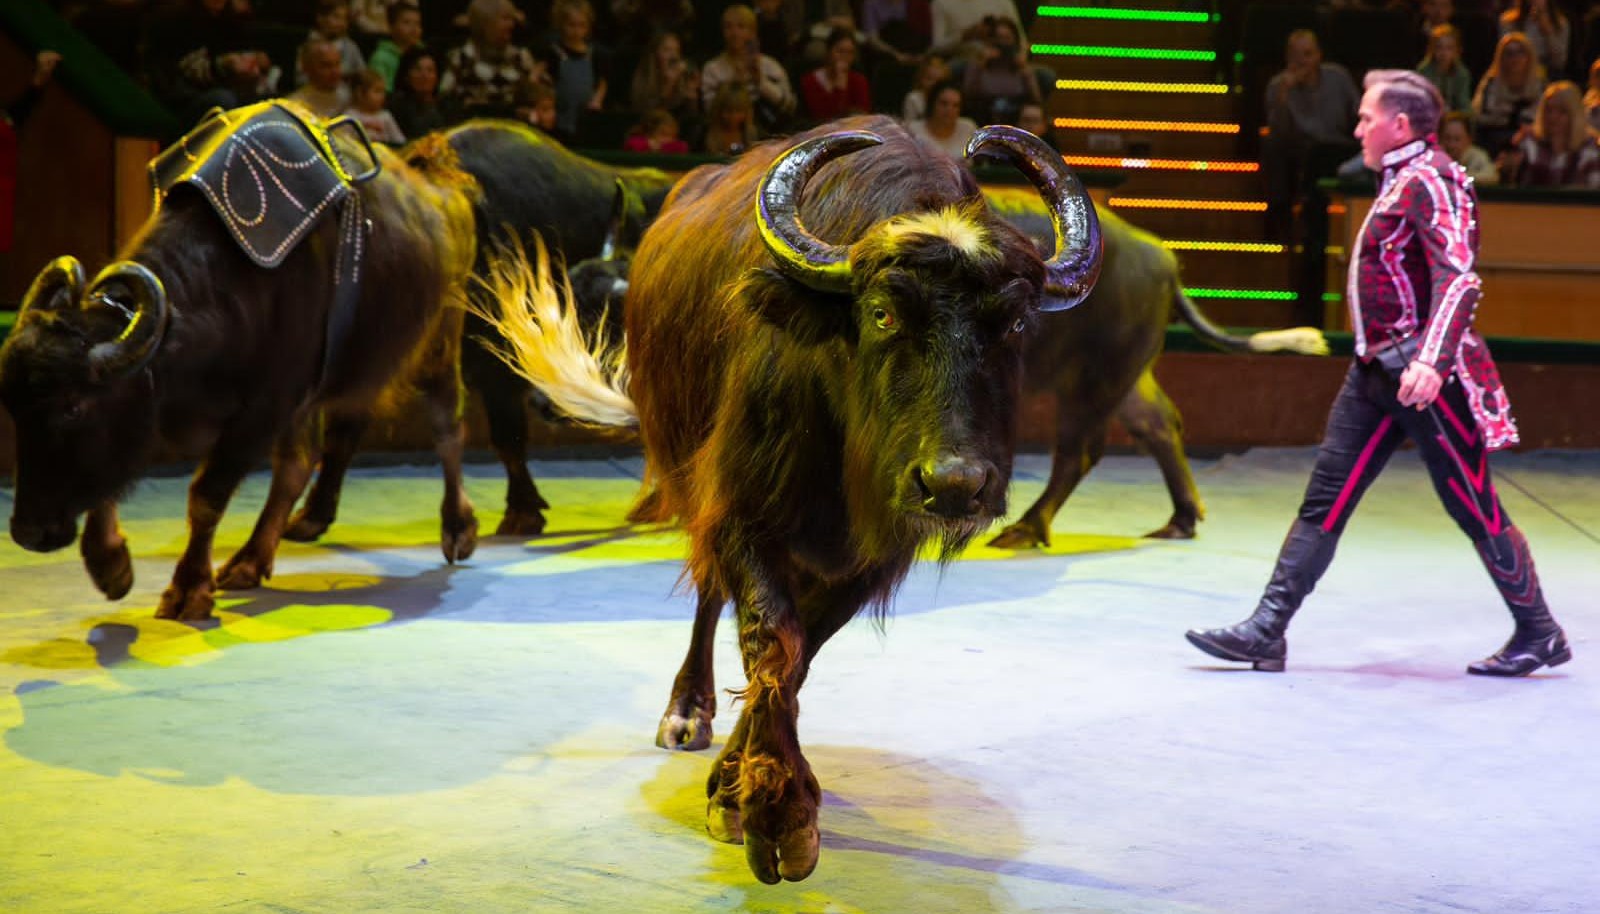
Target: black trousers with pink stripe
1366,425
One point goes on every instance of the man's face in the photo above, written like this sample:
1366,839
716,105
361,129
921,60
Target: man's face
737,34
1304,55
322,69
1379,130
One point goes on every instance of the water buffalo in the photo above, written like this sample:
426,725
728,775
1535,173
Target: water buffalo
816,410
1099,361
187,345
530,185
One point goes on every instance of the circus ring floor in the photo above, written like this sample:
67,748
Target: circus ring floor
376,732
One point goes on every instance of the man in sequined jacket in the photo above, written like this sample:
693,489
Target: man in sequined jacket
1420,372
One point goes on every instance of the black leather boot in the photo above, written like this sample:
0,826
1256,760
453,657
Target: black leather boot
1259,640
1537,641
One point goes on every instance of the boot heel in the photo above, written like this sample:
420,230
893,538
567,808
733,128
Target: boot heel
1273,666
1558,659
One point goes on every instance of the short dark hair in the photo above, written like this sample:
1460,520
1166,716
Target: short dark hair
1409,93
397,9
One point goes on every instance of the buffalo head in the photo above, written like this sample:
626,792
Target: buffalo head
72,375
926,312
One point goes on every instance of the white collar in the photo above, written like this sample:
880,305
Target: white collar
1402,154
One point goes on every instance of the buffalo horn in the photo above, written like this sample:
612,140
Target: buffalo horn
1071,271
59,283
800,254
132,289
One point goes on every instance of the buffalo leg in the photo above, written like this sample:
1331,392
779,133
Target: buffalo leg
443,393
341,437
105,552
190,596
686,724
291,470
1154,422
1080,443
505,408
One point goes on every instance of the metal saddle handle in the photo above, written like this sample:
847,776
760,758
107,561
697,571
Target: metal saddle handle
345,121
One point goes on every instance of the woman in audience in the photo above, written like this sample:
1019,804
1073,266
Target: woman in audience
1591,99
483,73
1455,137
665,79
730,120
1443,67
944,128
996,86
417,105
1559,150
1507,93
932,72
1547,29
836,88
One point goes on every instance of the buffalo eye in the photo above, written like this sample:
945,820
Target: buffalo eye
1019,325
883,318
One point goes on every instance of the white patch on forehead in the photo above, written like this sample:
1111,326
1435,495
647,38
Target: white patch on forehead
951,224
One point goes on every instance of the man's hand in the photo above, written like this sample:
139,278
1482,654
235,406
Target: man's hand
1419,385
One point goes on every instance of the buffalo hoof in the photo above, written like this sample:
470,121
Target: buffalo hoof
780,826
793,856
722,822
110,567
459,538
187,604
243,572
306,528
685,727
1020,536
1174,530
519,522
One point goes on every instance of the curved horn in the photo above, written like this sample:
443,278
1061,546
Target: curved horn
60,282
801,255
132,289
1071,271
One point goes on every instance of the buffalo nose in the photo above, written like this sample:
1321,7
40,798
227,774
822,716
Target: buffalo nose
42,537
951,485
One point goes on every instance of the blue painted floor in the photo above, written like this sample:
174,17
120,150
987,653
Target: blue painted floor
373,731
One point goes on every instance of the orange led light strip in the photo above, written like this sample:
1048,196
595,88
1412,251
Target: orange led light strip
1092,123
1114,85
1241,247
1228,206
1160,164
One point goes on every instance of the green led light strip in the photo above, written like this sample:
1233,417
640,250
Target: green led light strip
1095,50
1248,294
1126,15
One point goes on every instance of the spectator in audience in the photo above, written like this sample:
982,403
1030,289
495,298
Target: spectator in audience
374,18
836,89
325,91
944,128
416,104
657,132
1546,29
741,61
483,73
405,33
775,33
535,103
997,86
367,98
1309,103
959,22
1557,150
664,79
199,56
932,71
579,68
1591,98
1444,68
1507,94
1032,118
904,25
333,26
730,120
1455,138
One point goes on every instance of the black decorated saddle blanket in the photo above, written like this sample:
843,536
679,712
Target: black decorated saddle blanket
269,170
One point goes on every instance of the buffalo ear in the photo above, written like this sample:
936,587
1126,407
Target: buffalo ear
808,316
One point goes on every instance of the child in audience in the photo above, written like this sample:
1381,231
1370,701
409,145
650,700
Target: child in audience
657,132
1443,67
730,121
535,103
405,33
366,107
1591,98
333,26
1455,136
